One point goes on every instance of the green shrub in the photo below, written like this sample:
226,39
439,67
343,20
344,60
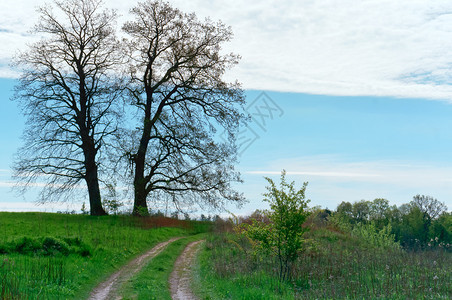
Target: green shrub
77,246
24,245
46,246
370,235
282,236
53,246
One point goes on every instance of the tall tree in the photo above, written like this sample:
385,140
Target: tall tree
67,92
176,84
430,206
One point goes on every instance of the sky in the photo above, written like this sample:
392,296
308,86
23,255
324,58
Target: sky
354,97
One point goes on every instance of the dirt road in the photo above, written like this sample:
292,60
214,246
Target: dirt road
181,275
108,288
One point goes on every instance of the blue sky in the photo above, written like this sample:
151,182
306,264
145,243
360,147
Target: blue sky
353,148
347,148
362,93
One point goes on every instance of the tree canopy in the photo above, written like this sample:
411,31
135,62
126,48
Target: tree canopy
163,83
176,85
68,94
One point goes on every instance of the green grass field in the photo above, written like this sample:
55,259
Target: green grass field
57,256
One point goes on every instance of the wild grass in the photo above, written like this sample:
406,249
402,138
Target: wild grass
152,281
338,267
38,269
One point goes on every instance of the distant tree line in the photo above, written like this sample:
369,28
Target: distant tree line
423,222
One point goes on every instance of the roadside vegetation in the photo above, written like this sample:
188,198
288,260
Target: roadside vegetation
61,256
369,250
337,266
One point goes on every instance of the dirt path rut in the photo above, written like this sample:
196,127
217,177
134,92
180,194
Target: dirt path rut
181,275
108,288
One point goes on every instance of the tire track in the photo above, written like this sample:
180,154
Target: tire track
180,277
108,288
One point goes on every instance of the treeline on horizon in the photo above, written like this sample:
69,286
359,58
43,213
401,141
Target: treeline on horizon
422,223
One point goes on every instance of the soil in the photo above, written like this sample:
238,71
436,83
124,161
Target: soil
108,288
181,275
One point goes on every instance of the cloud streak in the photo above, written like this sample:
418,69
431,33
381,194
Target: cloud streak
333,179
408,174
316,174
373,47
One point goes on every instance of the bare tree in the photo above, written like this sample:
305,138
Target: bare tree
176,85
67,92
429,206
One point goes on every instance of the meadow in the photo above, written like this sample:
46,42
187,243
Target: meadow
334,265
62,256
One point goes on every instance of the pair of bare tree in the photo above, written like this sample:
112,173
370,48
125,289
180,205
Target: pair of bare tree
145,107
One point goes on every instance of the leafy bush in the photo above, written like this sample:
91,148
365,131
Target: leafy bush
24,245
53,246
340,222
76,245
46,246
370,235
282,236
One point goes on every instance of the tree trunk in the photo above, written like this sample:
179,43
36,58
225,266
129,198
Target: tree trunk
140,207
95,201
92,181
91,173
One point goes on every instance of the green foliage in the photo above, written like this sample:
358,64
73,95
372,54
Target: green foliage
370,235
46,246
361,211
341,267
228,270
282,236
419,224
412,228
341,222
54,246
345,208
441,229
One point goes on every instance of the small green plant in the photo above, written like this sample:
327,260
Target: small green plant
282,236
370,235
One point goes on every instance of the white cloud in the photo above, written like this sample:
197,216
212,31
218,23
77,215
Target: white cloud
332,179
313,173
405,174
372,47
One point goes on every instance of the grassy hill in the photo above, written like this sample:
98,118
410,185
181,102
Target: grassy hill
59,256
